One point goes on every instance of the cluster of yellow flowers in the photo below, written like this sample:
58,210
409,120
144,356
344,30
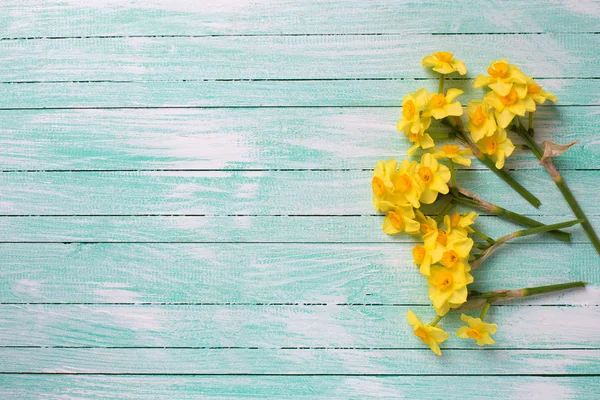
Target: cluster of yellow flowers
399,189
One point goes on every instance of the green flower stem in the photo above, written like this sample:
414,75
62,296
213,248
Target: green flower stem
483,236
531,122
560,183
521,233
485,309
436,320
440,217
441,87
477,300
465,138
453,178
467,198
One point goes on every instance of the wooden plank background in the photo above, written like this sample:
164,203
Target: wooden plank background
185,205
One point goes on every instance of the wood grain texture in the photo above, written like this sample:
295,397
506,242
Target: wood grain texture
264,138
301,361
265,327
261,93
52,386
185,190
252,192
287,57
216,17
237,229
271,273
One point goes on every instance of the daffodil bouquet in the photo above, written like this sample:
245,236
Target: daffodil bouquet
418,197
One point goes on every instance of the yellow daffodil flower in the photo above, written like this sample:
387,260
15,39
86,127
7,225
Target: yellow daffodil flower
498,146
537,93
506,107
457,224
383,188
421,139
429,224
441,106
447,288
481,120
454,153
432,336
432,177
405,187
501,78
412,105
429,253
477,330
456,254
401,219
444,63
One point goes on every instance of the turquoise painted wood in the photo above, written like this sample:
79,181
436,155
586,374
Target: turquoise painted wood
185,207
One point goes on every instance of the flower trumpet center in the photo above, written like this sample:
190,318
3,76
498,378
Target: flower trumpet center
408,109
491,146
510,98
498,69
474,334
455,219
425,174
378,186
421,334
442,237
450,149
438,100
418,253
403,183
395,219
443,56
443,280
478,117
534,88
450,259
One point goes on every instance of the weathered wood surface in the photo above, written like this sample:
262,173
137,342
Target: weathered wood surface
185,190
287,57
270,273
314,192
263,138
58,386
60,18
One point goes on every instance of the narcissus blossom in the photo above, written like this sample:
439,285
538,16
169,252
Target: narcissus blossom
477,330
481,120
501,77
537,93
498,146
507,107
429,253
412,105
454,153
440,106
432,177
432,336
444,63
401,219
447,288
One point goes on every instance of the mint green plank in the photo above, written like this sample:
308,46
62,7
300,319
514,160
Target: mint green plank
276,57
322,138
164,17
258,93
272,273
274,327
309,361
246,229
292,387
253,193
